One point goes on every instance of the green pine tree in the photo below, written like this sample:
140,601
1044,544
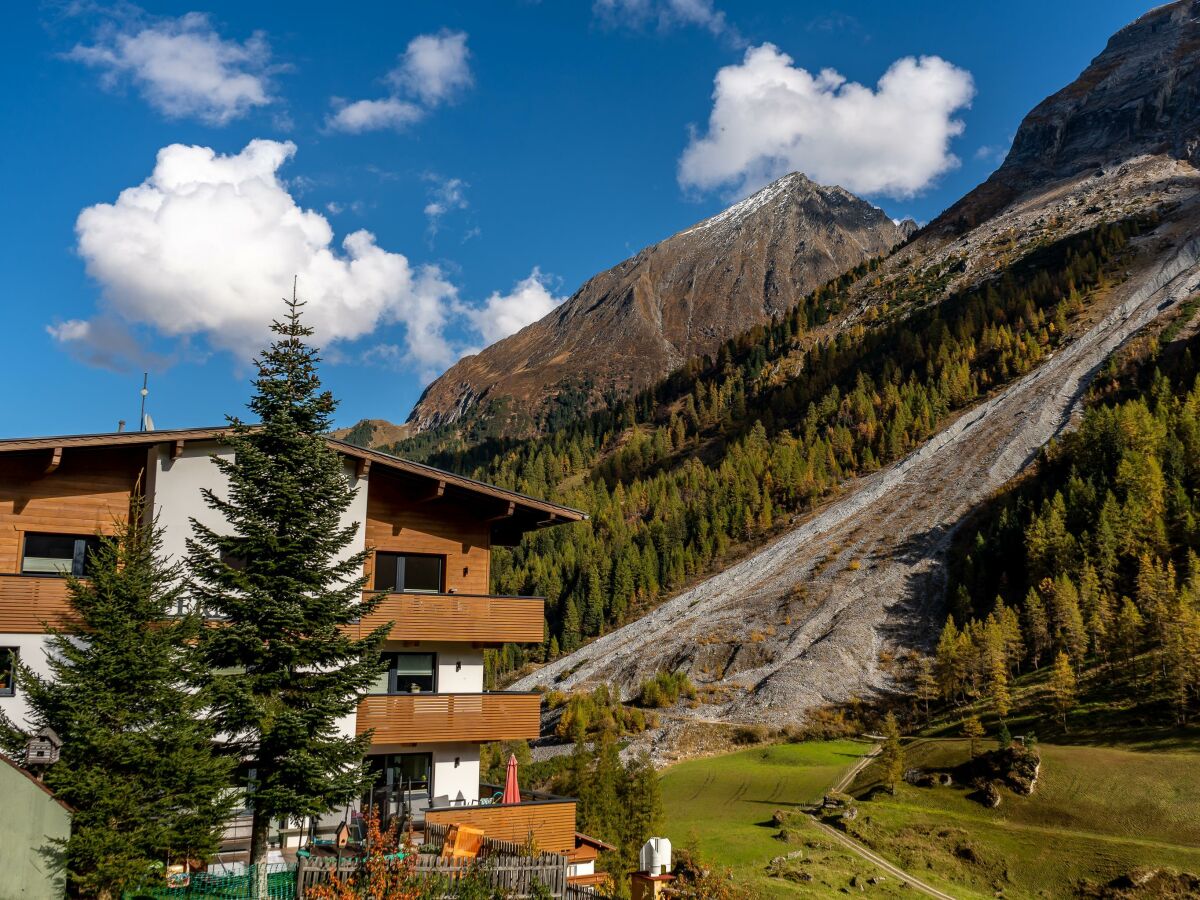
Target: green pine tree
286,586
138,762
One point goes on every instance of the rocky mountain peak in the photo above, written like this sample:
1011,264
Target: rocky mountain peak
1141,95
631,325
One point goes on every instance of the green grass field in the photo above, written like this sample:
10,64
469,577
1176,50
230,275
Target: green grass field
722,806
1097,813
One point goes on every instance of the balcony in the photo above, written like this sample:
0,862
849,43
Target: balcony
28,600
447,718
478,618
548,818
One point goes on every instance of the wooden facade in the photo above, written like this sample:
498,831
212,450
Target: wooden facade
552,822
74,491
26,601
446,718
481,619
410,516
80,491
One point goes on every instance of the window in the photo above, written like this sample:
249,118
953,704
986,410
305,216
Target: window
58,554
400,782
407,673
8,665
409,572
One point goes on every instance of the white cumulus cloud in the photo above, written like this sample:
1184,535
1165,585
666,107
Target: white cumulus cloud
375,115
665,14
505,314
208,244
771,117
184,68
434,69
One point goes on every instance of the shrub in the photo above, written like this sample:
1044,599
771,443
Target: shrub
592,712
750,734
665,689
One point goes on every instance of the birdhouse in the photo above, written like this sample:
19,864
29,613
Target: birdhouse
43,748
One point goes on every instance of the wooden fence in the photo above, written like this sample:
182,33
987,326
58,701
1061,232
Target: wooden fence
517,875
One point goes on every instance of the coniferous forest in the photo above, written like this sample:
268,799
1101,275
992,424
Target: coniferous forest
681,477
1091,562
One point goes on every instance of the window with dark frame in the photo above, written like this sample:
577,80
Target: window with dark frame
58,554
399,780
407,673
414,573
8,671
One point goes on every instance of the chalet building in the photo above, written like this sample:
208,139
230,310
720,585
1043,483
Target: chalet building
431,534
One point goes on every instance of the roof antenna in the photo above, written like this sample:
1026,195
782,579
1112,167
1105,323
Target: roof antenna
145,391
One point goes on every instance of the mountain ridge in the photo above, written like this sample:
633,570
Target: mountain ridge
681,297
1139,95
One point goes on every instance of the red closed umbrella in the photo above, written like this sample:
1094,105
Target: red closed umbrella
512,793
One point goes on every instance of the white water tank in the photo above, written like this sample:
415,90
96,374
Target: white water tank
655,858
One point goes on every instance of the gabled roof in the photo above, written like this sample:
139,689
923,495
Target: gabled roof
582,839
42,787
555,513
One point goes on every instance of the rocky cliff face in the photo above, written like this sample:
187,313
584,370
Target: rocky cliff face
629,326
1140,96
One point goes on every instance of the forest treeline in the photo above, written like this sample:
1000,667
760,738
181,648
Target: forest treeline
680,476
1091,563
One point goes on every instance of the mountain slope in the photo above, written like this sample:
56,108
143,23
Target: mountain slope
809,618
803,621
1140,96
629,326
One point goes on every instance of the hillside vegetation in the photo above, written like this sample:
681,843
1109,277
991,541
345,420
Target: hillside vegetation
1091,561
681,477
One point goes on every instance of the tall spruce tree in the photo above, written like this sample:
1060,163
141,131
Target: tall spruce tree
285,584
138,760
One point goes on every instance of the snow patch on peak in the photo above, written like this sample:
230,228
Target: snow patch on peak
751,204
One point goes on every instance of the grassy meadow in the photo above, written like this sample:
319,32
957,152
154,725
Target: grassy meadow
722,806
1098,812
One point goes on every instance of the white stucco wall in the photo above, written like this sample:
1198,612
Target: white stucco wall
453,680
448,779
31,649
177,497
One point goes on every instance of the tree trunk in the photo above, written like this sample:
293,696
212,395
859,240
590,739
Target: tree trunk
259,828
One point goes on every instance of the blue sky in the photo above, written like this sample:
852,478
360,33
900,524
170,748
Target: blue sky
485,159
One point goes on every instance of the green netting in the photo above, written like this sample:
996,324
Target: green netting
281,885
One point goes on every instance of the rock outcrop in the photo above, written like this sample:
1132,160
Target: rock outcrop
1141,96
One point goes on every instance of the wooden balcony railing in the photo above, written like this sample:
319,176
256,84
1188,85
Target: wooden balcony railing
550,820
436,718
26,601
478,618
